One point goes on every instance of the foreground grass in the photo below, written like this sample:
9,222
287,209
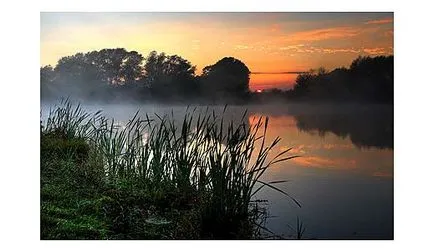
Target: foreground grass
151,179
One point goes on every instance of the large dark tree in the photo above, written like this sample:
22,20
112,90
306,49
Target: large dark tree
76,76
369,79
302,83
373,78
94,74
46,78
170,76
117,66
121,72
229,77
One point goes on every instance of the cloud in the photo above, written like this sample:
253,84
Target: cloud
339,50
291,47
324,34
242,47
376,50
302,48
380,21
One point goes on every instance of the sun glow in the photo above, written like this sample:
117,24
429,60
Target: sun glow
265,42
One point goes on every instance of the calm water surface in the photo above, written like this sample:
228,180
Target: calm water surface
343,178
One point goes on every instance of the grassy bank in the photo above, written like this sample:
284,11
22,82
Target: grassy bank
152,178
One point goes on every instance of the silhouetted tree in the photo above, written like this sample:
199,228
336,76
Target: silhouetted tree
340,81
117,66
76,76
229,77
132,67
46,80
96,74
373,78
117,73
170,76
367,80
302,83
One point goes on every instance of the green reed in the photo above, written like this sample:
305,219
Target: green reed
218,163
71,121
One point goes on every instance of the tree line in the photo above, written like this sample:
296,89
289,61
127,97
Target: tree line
118,74
121,75
367,80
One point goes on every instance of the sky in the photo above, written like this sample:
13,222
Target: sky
265,42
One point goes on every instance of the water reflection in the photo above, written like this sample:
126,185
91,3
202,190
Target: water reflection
369,129
331,148
365,125
343,177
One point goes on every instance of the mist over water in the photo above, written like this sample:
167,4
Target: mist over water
343,177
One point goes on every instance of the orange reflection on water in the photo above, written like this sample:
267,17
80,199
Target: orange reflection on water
327,152
326,163
382,174
287,122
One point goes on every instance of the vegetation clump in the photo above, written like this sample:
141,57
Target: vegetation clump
152,178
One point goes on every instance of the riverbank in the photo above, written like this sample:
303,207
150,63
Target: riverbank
101,181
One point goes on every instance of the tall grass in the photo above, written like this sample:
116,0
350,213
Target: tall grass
217,163
70,121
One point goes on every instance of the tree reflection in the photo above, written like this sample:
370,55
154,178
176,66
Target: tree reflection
364,128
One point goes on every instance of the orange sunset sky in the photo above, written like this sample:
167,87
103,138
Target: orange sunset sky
265,42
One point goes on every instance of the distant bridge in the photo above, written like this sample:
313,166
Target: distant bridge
290,72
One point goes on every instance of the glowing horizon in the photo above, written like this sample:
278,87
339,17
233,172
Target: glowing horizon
265,42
